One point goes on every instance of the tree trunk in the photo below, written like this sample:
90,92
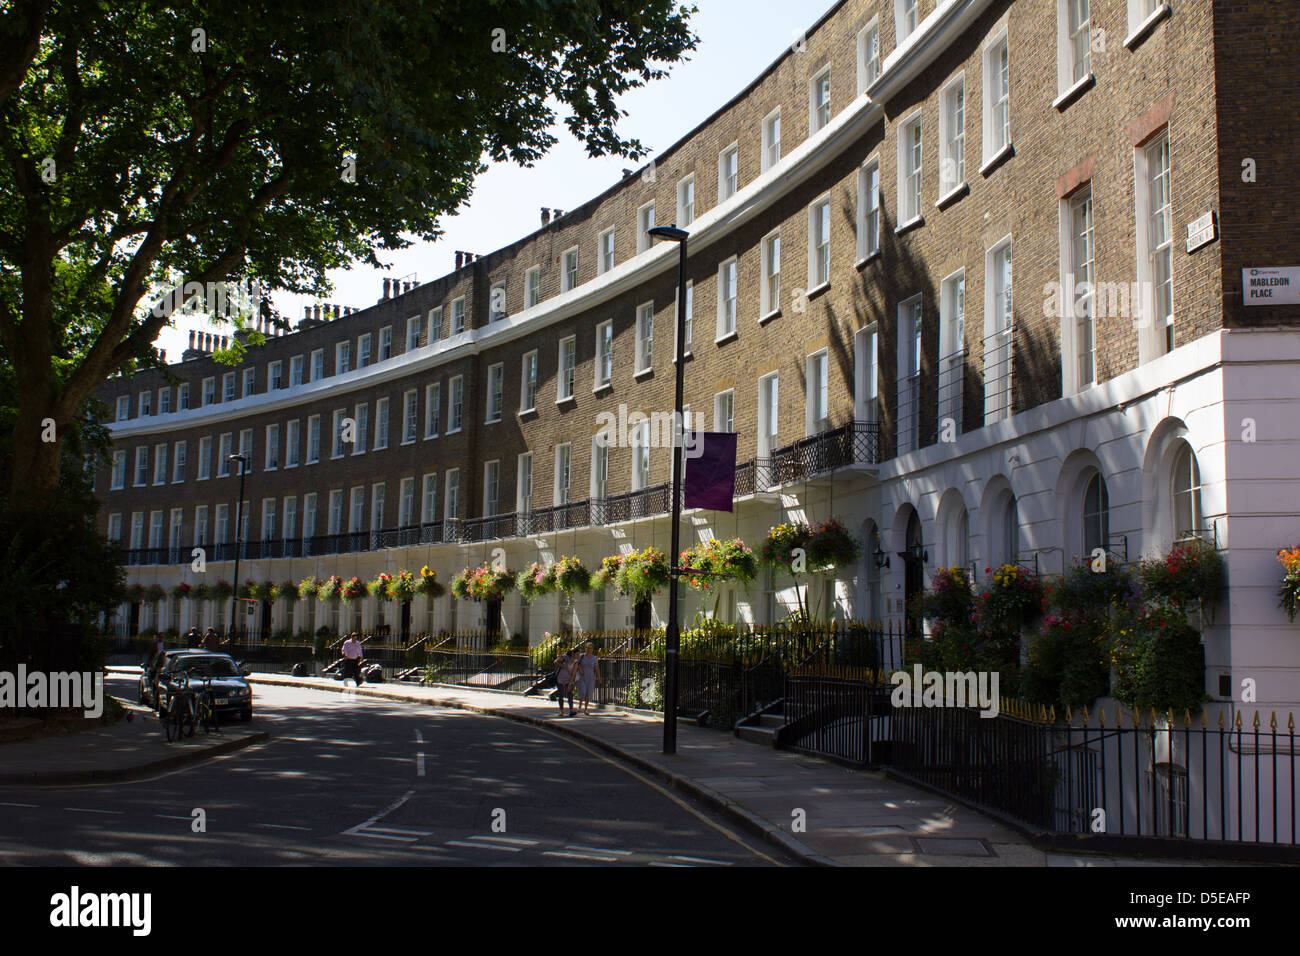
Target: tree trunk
35,465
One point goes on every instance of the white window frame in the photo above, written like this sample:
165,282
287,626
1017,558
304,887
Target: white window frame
952,139
645,325
209,391
225,447
869,209
562,490
996,122
205,458
496,385
685,209
123,407
911,163
410,416
868,47
183,397
769,287
769,414
819,244
491,488
605,251
180,461
414,326
292,443
272,450
728,299
455,403
565,376
160,464
336,441
599,489
1153,331
141,466
317,364
385,350
817,103
458,315
524,483
907,18
119,471
1073,48
228,387
274,375
343,357
569,269
728,179
604,364
998,352
528,382
724,410
435,326
952,348
364,350
313,439
357,509
494,299
429,498
532,287
432,409
817,392
771,154
645,221
1077,295
911,317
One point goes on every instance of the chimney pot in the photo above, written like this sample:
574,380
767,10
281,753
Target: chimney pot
460,259
546,215
387,287
191,338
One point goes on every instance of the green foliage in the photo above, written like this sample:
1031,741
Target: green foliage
782,544
278,146
1067,664
1159,663
641,574
718,562
534,582
571,576
830,546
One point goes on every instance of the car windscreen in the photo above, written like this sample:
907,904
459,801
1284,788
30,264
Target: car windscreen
206,667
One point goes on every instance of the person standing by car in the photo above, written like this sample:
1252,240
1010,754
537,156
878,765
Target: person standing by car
352,652
210,641
564,680
588,677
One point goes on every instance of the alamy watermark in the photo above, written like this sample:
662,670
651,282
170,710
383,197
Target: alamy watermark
59,690
946,689
624,429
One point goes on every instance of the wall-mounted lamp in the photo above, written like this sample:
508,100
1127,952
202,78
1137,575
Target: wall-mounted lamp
882,559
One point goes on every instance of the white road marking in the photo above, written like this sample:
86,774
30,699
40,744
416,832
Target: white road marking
581,856
498,839
382,813
279,826
598,849
384,836
419,764
419,737
485,846
18,805
699,859
117,813
171,816
657,863
416,833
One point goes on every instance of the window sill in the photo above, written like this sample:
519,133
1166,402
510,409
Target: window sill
568,400
817,290
453,431
905,227
867,259
1087,82
764,319
728,337
688,355
530,410
644,372
411,441
997,159
294,465
600,387
952,195
1144,29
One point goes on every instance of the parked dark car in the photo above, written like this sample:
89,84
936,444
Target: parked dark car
152,668
231,692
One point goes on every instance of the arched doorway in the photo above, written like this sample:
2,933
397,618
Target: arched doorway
913,575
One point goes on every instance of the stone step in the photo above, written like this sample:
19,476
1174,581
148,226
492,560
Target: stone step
771,720
758,735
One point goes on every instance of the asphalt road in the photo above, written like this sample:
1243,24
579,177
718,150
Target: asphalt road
354,781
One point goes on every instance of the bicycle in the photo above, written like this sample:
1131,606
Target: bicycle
178,720
205,713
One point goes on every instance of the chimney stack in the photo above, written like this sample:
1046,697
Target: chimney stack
546,216
460,259
191,338
557,214
387,286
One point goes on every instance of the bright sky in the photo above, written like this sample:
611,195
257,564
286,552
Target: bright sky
738,39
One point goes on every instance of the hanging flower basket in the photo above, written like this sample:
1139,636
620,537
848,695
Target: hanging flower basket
379,587
286,591
1288,593
222,591
331,589
309,588
403,587
604,576
642,573
354,589
428,584
154,592
534,582
718,562
258,590
1191,574
571,576
460,585
201,592
182,592
831,546
488,584
783,545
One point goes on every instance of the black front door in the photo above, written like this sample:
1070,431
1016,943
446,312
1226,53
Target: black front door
913,577
492,621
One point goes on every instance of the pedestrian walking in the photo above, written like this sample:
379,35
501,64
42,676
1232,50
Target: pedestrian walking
564,680
352,652
210,640
192,638
588,677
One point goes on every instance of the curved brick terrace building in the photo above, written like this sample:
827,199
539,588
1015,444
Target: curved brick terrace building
855,316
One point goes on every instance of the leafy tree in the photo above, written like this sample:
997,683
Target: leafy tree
264,142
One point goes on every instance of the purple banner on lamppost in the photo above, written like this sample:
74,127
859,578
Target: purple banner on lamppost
711,472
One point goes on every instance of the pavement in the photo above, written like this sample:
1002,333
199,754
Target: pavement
125,750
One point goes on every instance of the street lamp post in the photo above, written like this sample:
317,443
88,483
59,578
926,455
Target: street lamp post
239,520
673,635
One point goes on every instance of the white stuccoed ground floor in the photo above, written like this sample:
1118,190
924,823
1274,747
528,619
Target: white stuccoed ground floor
1016,485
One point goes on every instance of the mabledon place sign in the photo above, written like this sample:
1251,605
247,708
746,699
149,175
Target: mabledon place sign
1278,285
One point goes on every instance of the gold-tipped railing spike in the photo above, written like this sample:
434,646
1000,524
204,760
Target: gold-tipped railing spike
1220,720
1272,721
1069,717
1290,721
1255,723
1238,720
1051,714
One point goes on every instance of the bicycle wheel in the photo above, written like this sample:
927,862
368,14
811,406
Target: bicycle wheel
171,726
188,718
